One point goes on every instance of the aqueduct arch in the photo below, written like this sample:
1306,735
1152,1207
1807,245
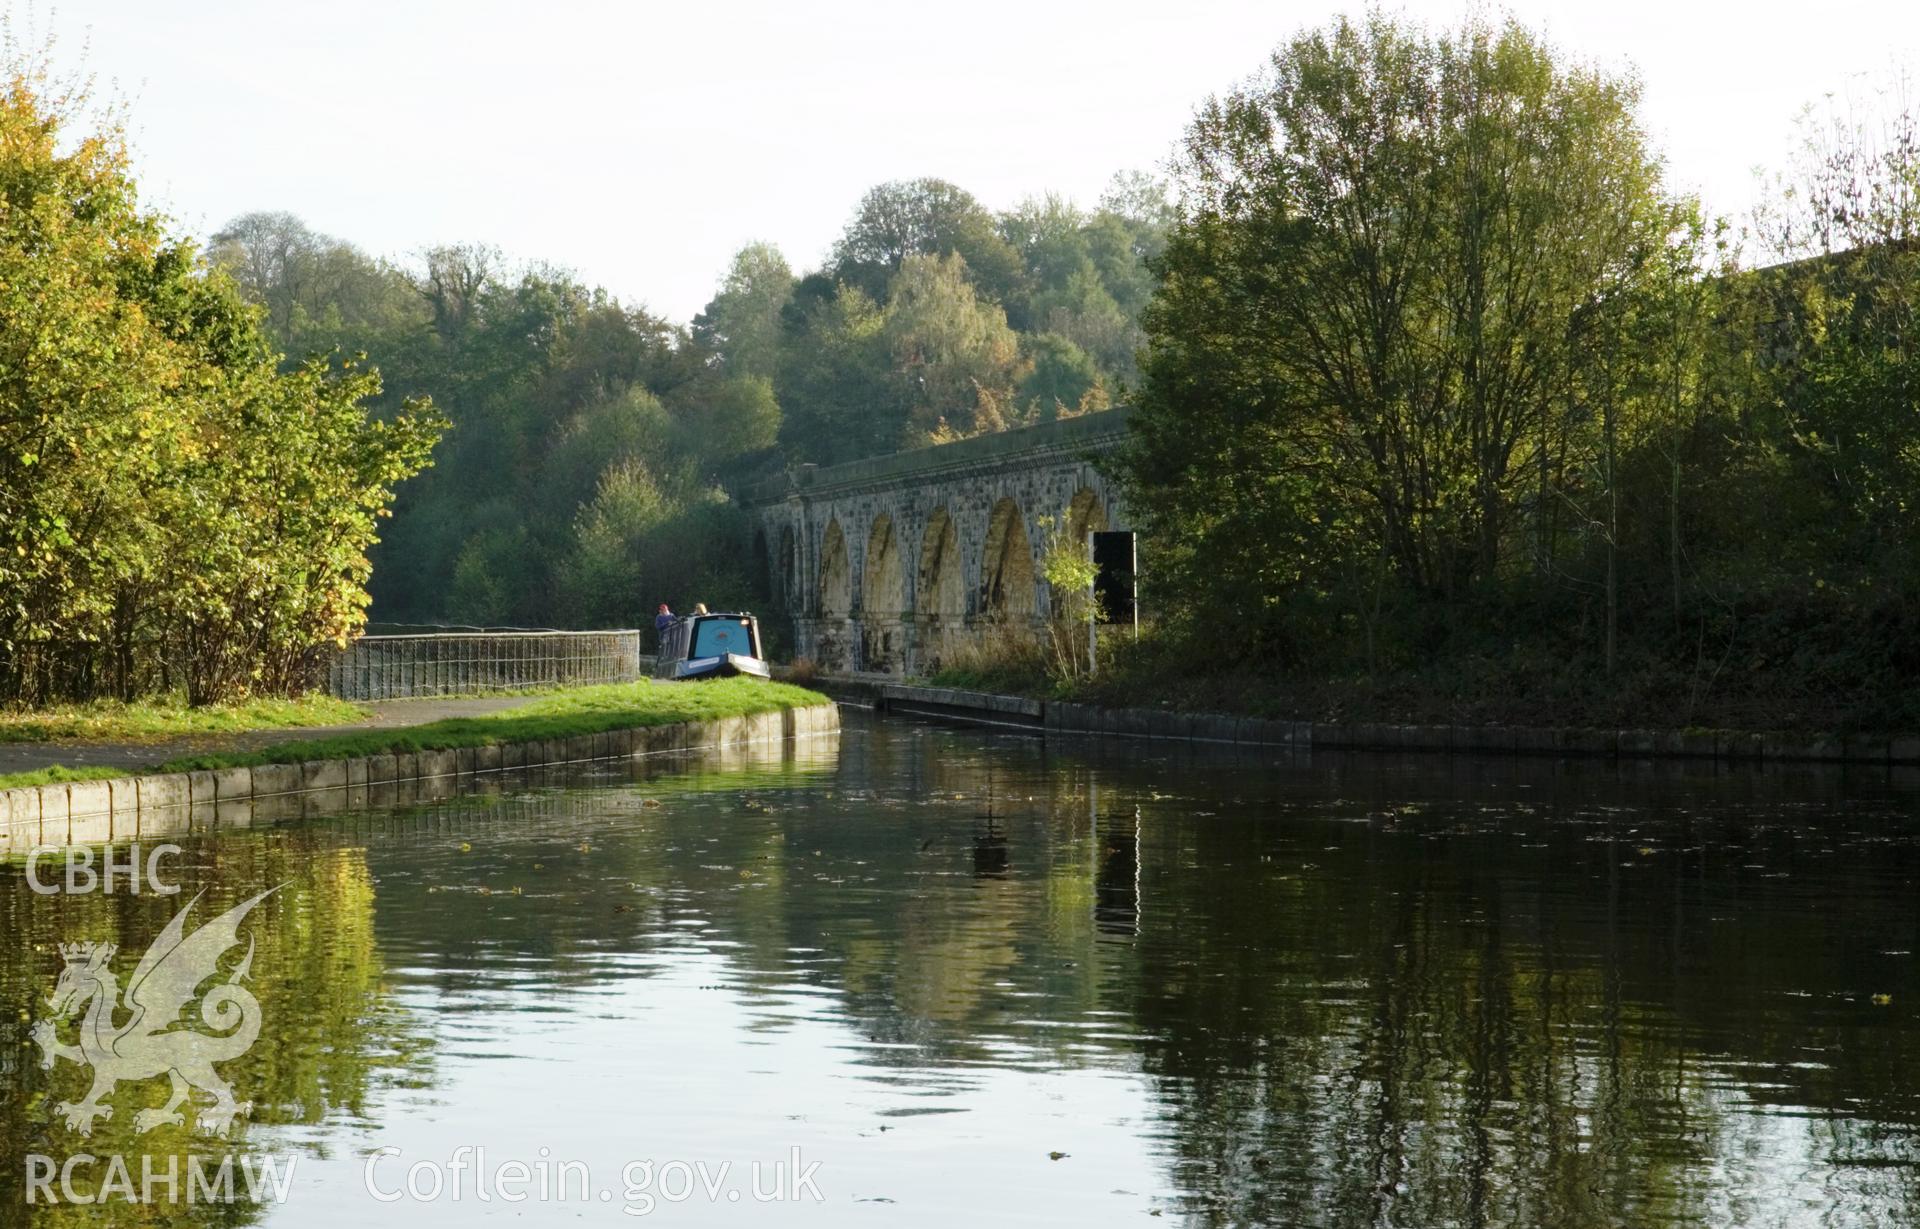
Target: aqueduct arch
836,600
883,596
1085,514
1006,565
941,611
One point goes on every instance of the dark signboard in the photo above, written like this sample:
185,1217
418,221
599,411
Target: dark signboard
1115,564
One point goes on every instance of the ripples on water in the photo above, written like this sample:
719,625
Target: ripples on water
1232,990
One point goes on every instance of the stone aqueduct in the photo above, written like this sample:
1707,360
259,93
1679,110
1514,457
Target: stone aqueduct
890,564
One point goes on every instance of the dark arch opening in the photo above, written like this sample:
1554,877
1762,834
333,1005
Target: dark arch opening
1006,569
836,574
942,590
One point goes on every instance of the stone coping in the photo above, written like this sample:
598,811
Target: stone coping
96,812
1733,745
1015,709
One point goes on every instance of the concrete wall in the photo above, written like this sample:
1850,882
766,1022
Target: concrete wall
889,564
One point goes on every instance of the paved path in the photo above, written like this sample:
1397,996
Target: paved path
386,714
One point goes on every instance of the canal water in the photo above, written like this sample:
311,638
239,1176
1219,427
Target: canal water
916,975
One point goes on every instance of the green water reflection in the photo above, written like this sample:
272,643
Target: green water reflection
1230,990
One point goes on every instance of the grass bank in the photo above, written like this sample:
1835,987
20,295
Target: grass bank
585,710
158,720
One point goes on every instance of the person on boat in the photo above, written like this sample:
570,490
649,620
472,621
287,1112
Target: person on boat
699,608
662,621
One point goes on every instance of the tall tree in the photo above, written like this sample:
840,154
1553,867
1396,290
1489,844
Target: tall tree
925,217
1365,312
836,396
741,325
271,256
318,293
953,354
1848,209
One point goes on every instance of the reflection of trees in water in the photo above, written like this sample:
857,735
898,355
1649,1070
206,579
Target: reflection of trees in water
327,1041
1518,1008
1427,1023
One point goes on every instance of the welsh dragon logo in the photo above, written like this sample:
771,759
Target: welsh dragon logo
147,1043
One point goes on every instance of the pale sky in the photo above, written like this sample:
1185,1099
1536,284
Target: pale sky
641,144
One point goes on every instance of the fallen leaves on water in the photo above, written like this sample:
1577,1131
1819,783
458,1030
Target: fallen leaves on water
1055,1156
1882,1000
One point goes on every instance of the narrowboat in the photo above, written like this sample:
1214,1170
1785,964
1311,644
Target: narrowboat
711,646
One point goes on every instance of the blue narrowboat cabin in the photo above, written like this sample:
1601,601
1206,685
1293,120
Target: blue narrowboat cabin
711,646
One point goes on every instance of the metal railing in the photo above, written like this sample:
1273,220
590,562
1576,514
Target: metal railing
464,663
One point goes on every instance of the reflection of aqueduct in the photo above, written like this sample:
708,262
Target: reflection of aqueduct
886,564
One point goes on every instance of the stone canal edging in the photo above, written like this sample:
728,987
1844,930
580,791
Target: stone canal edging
97,812
1067,718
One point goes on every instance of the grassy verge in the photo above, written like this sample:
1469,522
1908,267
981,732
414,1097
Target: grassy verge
585,710
157,720
60,773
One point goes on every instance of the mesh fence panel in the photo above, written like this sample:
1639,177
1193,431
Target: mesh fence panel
463,663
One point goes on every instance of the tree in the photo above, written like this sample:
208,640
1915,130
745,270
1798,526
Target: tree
721,421
1848,371
1062,381
742,324
600,577
1085,313
175,510
836,396
319,294
630,428
456,275
1048,233
1139,199
924,217
271,257
952,354
636,545
1363,328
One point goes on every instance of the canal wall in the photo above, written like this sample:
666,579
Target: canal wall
1055,716
165,804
